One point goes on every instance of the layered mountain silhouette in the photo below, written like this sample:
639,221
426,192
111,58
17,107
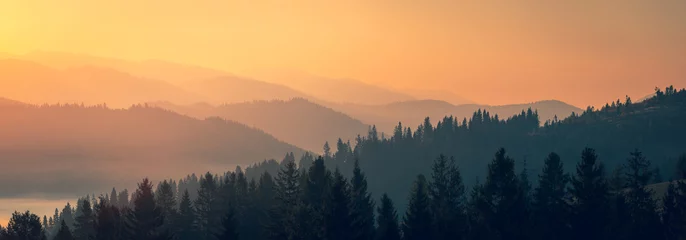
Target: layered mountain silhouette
57,147
297,121
35,83
412,113
229,89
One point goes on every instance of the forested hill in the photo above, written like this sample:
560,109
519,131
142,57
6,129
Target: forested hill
655,126
63,150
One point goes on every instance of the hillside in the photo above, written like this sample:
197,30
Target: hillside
337,90
412,113
47,148
35,83
229,89
297,121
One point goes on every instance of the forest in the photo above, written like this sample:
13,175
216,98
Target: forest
468,179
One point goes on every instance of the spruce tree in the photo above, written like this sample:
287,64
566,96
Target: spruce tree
362,209
108,224
84,227
145,220
184,222
338,221
229,226
550,206
674,211
642,207
447,200
165,200
417,221
114,200
63,233
501,202
387,221
590,198
316,186
208,216
284,222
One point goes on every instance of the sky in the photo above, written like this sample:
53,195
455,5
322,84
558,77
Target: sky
493,52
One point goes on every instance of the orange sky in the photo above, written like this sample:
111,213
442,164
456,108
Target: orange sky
582,52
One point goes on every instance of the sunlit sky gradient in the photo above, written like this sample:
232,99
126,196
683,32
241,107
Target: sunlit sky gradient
582,52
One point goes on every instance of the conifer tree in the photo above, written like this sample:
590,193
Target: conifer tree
123,199
417,221
316,186
283,216
63,233
165,200
108,224
114,199
145,219
387,221
229,226
84,227
642,207
447,200
674,211
24,226
590,197
551,210
208,216
501,202
362,209
338,221
184,222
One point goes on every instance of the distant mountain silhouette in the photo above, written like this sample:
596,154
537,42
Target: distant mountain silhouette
443,95
157,69
412,113
297,121
338,90
228,89
90,148
35,83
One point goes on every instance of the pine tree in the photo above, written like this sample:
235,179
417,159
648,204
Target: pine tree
184,221
501,202
387,221
338,221
590,198
229,226
362,209
642,207
417,220
24,226
551,210
447,200
145,219
67,215
108,224
315,191
284,215
674,211
166,201
84,227
114,200
208,216
63,233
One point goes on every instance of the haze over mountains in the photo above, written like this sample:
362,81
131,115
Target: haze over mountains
96,147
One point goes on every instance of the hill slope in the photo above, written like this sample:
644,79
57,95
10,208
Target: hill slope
296,121
44,149
35,83
412,113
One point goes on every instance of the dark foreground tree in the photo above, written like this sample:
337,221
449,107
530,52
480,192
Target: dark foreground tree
446,192
590,198
24,226
551,209
387,221
642,207
229,226
145,219
64,233
362,208
417,221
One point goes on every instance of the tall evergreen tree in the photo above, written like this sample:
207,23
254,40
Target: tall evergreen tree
24,226
123,199
114,199
590,198
284,215
501,202
315,191
551,209
447,200
63,233
84,227
229,226
165,200
674,211
208,216
417,220
362,208
642,207
184,222
338,222
145,219
387,222
109,222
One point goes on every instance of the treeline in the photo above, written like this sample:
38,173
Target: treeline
316,203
